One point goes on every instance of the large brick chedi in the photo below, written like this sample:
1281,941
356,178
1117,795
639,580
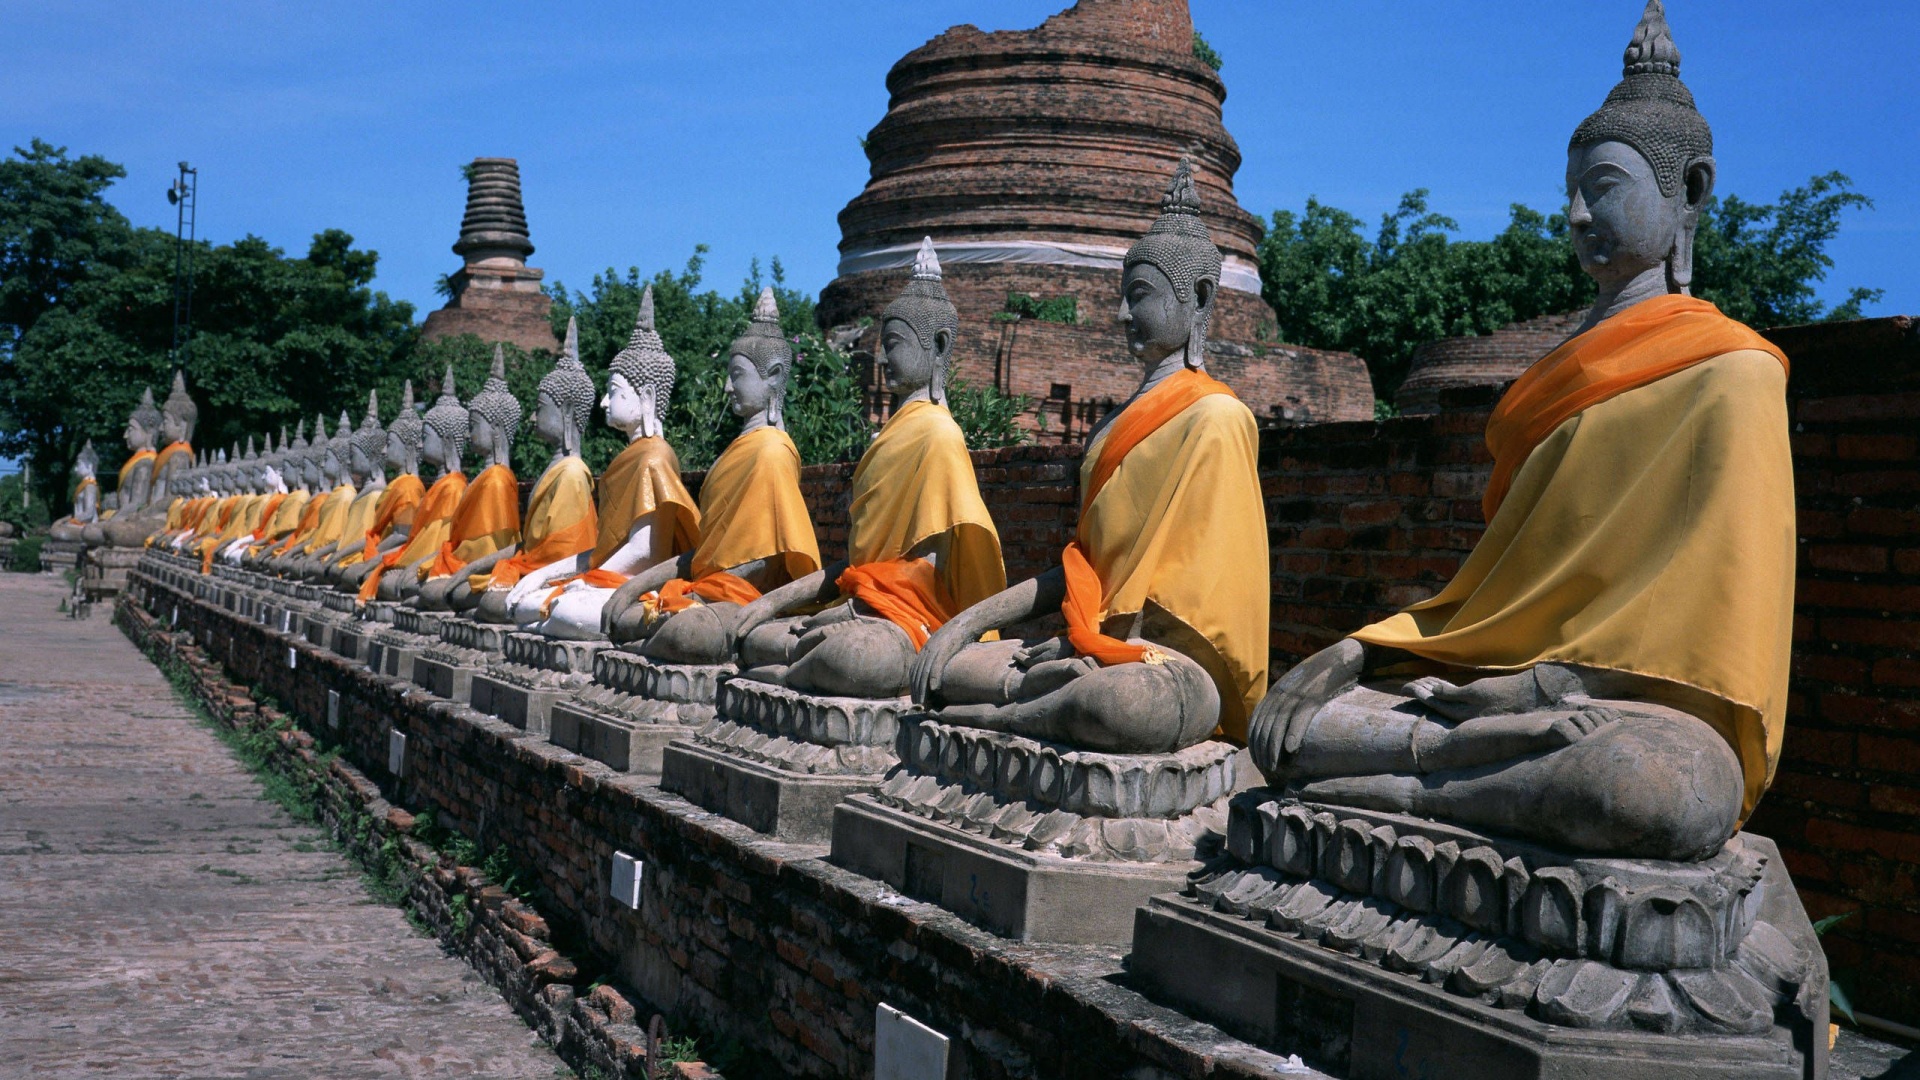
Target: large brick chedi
1034,158
496,295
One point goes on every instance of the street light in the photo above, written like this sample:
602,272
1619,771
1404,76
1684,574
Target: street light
181,193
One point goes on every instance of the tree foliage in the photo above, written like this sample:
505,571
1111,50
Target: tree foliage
1332,287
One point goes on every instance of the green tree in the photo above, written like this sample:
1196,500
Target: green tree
1332,287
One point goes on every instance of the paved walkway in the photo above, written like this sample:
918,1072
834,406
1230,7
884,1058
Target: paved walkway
158,918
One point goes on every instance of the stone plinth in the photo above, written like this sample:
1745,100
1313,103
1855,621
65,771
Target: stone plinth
1378,945
778,760
104,572
393,650
634,707
465,649
1033,840
60,555
533,673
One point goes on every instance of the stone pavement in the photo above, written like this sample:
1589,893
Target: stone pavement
159,918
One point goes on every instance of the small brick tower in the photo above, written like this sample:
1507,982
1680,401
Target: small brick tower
496,295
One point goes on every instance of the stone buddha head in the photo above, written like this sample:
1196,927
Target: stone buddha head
1640,170
333,460
565,398
759,363
86,464
367,447
314,468
640,379
405,434
444,438
494,414
1170,278
917,333
179,415
143,426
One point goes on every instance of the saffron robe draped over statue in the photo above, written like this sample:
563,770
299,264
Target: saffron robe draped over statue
916,483
432,522
353,528
1649,531
330,525
487,520
1171,517
309,518
750,508
561,522
645,479
395,508
126,472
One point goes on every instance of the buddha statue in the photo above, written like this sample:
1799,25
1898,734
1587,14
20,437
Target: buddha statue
393,515
292,513
364,462
560,526
755,532
241,508
646,515
1607,673
134,488
442,442
272,488
330,519
86,498
487,521
922,546
1166,643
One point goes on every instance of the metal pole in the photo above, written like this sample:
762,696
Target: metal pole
182,196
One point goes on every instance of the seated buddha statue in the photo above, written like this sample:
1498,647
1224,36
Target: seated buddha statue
646,516
921,544
393,514
755,532
1607,673
486,525
86,498
178,417
242,514
273,492
217,478
560,523
304,476
365,463
1166,641
330,515
133,488
442,443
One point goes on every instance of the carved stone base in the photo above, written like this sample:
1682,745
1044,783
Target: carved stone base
777,760
1377,945
633,708
392,651
105,573
1032,840
61,554
534,673
447,669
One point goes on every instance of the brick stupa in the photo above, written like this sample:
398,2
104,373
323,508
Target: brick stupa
1034,158
1493,359
496,295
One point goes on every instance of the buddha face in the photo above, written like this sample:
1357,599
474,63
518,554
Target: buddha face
1157,321
549,420
136,436
397,455
357,461
330,465
1621,224
626,407
748,392
172,428
908,365
480,433
433,448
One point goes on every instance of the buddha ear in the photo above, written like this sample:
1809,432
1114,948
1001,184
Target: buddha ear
1203,293
1699,188
942,361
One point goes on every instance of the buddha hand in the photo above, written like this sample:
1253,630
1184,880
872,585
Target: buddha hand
930,663
1280,720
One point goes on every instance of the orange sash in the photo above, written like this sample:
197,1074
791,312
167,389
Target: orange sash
309,518
718,587
132,463
438,504
905,592
1643,344
596,579
266,515
401,500
489,509
1139,420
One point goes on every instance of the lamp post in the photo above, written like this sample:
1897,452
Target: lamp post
182,194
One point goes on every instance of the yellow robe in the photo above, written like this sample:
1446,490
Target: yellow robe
560,522
487,519
916,482
433,522
284,521
1653,534
353,529
330,524
751,508
1181,525
645,479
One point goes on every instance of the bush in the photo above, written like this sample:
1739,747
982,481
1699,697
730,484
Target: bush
989,418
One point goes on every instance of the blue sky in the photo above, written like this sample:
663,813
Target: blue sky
644,128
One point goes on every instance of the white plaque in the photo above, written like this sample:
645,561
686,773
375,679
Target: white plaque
396,752
333,708
293,657
905,1048
626,879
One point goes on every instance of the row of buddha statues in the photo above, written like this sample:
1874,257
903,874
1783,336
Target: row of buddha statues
1604,678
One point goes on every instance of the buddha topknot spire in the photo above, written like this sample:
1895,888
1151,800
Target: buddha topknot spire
371,439
568,384
923,303
495,401
763,342
407,425
645,362
300,434
1650,109
179,403
448,419
146,413
1178,243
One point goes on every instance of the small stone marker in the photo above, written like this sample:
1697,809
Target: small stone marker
286,618
333,708
396,752
293,658
626,880
905,1048
176,615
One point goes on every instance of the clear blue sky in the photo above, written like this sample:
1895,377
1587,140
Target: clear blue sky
644,128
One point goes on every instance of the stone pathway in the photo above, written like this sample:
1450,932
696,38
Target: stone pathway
159,918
